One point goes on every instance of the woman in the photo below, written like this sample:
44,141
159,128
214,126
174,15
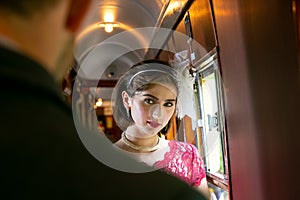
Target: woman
145,99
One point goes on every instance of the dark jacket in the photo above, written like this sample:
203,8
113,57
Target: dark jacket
41,153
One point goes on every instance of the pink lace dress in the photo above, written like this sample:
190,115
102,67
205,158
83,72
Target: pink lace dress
183,160
176,158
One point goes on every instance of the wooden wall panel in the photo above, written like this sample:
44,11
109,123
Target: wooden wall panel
259,60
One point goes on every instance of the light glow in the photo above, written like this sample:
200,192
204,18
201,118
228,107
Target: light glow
109,17
108,28
99,102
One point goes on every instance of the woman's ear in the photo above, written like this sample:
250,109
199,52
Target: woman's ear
77,11
126,99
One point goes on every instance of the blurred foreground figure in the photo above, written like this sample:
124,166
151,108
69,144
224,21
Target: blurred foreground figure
41,153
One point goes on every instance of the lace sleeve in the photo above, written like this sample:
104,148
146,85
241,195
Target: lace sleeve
184,161
197,167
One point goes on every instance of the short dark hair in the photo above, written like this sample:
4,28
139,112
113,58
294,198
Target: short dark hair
26,8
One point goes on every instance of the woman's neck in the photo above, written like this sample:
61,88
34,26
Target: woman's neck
130,146
134,138
141,141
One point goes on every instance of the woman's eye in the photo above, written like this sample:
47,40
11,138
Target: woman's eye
168,104
149,101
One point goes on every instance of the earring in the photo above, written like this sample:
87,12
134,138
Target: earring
128,110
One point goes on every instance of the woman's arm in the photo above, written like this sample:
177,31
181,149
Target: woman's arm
203,188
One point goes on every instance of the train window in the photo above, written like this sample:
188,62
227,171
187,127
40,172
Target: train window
210,122
211,130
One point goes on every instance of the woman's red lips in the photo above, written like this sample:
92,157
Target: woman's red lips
153,124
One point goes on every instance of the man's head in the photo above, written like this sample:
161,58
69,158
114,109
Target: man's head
43,29
26,8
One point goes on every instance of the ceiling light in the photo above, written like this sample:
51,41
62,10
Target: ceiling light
109,17
99,102
108,26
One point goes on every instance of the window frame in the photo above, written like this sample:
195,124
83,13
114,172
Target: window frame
208,65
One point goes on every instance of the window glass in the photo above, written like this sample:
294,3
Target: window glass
210,113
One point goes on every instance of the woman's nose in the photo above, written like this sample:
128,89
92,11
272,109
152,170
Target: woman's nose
157,112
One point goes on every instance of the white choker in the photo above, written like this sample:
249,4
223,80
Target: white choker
140,148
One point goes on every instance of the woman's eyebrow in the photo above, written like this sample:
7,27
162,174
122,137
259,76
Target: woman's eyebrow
170,100
149,95
154,97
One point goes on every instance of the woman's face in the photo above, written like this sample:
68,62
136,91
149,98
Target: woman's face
151,109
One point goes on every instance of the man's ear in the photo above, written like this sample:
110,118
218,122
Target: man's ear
77,12
126,99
